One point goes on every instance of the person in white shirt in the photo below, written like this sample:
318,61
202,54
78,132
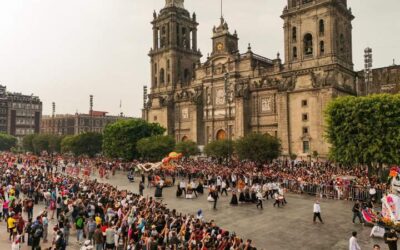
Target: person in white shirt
223,188
353,245
317,212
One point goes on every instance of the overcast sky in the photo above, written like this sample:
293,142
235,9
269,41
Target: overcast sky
65,50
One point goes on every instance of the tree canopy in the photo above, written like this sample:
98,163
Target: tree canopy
219,149
187,148
120,138
258,148
7,142
88,144
38,143
156,147
364,130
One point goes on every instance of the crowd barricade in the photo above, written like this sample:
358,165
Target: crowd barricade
346,192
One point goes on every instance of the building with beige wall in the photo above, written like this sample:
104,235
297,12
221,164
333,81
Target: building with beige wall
232,94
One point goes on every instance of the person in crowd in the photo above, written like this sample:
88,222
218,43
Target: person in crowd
141,187
259,200
317,212
98,238
353,244
357,212
79,225
376,247
391,238
234,199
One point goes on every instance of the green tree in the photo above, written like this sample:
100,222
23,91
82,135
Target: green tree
87,144
187,148
219,149
364,130
37,143
27,142
7,142
67,144
258,148
120,138
293,157
156,147
40,143
55,143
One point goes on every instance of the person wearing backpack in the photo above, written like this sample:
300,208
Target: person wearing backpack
79,224
60,243
37,230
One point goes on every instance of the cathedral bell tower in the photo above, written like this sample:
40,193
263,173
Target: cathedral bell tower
318,32
174,53
174,57
223,41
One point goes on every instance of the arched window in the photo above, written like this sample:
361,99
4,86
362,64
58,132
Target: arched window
155,82
163,37
186,75
294,34
155,68
162,76
294,3
321,27
322,47
168,78
294,52
341,43
168,64
308,44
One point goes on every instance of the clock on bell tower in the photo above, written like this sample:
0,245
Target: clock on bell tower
223,41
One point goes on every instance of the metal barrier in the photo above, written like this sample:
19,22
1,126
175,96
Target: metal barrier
348,192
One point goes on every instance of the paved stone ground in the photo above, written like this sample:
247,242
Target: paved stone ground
272,228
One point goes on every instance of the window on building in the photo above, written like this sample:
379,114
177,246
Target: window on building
168,78
322,47
304,103
305,117
155,68
168,65
155,118
294,52
186,75
341,43
162,76
294,34
305,131
306,147
276,134
321,27
308,44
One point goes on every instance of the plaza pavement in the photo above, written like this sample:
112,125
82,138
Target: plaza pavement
287,228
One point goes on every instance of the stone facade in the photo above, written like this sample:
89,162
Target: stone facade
94,121
20,114
232,94
383,80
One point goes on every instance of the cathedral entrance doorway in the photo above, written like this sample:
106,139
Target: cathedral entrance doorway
221,135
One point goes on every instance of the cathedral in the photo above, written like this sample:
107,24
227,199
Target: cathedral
232,94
